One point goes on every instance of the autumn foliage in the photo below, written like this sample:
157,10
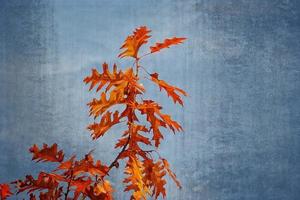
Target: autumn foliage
120,100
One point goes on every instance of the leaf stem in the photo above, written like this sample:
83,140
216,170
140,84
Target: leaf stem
69,185
137,66
145,54
113,163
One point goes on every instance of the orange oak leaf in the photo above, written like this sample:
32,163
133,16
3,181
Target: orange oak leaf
172,91
5,191
118,79
129,112
157,135
171,174
102,190
106,77
150,108
87,165
44,181
157,119
48,195
166,44
99,106
135,137
66,165
47,154
99,129
123,89
173,125
80,185
154,177
133,42
134,180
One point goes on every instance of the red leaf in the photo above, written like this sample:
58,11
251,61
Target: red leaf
101,191
5,191
44,181
47,154
66,165
80,185
154,177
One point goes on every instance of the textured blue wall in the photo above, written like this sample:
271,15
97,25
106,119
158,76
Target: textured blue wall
240,67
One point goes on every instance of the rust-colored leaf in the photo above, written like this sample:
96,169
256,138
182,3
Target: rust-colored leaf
133,42
66,165
5,191
50,194
173,125
157,119
44,181
80,186
104,78
98,107
102,190
154,177
166,44
47,154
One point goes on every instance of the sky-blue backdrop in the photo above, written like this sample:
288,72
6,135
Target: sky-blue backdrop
240,66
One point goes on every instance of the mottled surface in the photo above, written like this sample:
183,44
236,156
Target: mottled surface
240,67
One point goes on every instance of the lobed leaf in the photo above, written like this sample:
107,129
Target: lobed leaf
106,122
154,177
87,165
172,91
104,78
45,181
166,44
134,180
4,191
80,185
47,154
133,42
102,190
157,119
171,174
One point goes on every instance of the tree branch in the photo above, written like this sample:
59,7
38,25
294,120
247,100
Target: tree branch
113,163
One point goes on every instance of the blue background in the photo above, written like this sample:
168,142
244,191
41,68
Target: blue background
240,66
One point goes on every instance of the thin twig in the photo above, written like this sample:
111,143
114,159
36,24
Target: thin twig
145,54
68,187
118,156
137,66
150,151
145,70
